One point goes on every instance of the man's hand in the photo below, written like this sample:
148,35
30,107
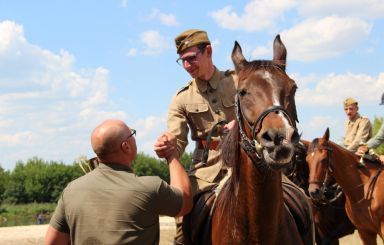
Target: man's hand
381,157
361,150
165,146
227,127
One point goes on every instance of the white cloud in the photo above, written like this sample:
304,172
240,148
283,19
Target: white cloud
155,43
354,8
331,89
258,15
48,107
165,19
132,52
311,128
315,39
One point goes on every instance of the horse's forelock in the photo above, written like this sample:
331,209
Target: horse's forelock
313,145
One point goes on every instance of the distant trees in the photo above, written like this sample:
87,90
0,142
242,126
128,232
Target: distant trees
41,181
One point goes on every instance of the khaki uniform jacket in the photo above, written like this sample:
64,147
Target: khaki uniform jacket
357,131
198,107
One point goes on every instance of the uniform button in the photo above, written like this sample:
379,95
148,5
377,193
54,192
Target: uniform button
197,110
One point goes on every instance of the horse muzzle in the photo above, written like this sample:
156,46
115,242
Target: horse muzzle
278,147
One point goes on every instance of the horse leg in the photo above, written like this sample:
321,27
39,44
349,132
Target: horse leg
368,238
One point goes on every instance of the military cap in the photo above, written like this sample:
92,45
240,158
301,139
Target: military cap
349,101
190,38
382,99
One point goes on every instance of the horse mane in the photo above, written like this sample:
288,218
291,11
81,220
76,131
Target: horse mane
230,151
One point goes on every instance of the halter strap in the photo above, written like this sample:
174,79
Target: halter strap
251,146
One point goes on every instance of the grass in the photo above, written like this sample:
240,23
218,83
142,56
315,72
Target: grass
25,214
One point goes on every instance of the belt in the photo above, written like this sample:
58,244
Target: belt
201,144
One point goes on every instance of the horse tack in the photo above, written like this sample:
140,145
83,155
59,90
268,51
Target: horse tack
330,218
246,211
329,163
364,199
250,145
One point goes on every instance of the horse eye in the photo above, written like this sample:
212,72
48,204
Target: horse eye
242,92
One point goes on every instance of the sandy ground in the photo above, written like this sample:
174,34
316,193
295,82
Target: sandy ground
34,234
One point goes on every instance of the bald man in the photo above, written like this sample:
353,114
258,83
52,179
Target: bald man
111,205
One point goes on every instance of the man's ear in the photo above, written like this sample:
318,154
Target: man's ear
208,49
125,147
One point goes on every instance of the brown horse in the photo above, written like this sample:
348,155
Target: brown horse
329,216
250,208
362,186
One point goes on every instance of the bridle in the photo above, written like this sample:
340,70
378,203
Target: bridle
329,172
250,145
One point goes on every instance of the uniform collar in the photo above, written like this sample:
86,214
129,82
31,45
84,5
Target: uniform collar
115,166
357,116
202,85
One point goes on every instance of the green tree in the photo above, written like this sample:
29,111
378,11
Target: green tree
38,181
150,166
4,178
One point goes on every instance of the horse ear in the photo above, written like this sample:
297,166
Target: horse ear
238,57
279,52
326,135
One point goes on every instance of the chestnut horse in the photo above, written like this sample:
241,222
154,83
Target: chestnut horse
329,216
363,187
250,208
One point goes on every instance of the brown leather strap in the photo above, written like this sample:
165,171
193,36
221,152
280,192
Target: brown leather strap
201,144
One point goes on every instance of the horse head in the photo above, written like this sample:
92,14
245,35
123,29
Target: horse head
266,108
320,167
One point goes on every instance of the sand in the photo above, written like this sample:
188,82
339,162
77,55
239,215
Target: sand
34,234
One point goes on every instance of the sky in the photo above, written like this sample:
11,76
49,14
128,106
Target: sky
66,66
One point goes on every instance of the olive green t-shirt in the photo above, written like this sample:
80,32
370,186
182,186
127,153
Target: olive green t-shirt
111,205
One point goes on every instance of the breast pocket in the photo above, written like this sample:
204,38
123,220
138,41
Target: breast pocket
229,108
199,116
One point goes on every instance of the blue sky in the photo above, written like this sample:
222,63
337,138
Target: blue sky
65,66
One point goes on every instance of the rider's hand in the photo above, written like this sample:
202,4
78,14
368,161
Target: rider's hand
228,126
361,150
165,146
381,157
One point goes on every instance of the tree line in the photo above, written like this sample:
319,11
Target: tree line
40,181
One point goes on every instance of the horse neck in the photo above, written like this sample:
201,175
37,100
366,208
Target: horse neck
260,199
346,173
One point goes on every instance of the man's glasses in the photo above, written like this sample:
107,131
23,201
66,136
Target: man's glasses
133,132
191,59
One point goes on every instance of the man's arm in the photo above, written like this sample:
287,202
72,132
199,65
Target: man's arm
55,237
178,176
377,139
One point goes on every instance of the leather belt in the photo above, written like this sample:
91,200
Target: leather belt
201,144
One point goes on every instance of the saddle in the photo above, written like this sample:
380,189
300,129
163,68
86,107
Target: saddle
298,207
197,223
371,158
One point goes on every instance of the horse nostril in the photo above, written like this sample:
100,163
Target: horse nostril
268,136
